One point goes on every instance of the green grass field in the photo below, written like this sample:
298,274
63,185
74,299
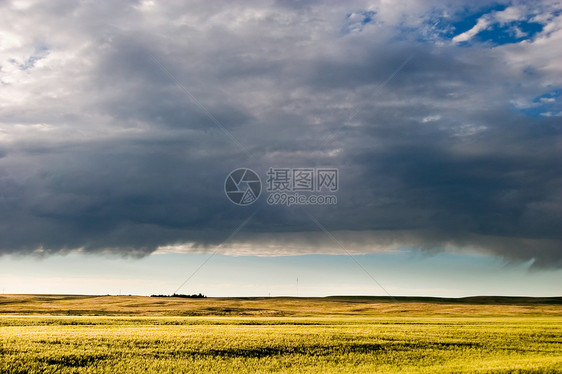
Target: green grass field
336,335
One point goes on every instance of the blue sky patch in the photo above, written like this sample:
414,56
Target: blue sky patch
546,105
513,32
356,21
466,21
40,53
495,32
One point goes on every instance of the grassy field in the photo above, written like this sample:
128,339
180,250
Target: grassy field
83,334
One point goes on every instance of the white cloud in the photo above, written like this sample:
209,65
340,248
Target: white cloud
482,24
509,14
551,114
431,118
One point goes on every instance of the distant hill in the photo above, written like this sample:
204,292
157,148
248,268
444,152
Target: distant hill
188,305
505,300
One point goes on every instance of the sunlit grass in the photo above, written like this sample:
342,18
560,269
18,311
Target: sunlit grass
338,344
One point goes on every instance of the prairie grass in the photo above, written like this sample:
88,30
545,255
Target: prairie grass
452,340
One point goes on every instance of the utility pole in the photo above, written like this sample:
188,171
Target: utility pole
297,286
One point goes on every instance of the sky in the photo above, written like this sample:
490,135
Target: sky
121,123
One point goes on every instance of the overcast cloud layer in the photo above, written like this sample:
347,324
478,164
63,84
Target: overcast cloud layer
445,123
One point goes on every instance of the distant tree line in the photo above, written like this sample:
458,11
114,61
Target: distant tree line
194,296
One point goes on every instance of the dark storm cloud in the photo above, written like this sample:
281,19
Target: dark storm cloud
104,149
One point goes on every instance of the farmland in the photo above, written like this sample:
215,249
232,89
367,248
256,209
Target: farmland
83,334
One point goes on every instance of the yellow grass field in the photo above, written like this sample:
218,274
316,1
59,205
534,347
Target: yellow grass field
107,334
